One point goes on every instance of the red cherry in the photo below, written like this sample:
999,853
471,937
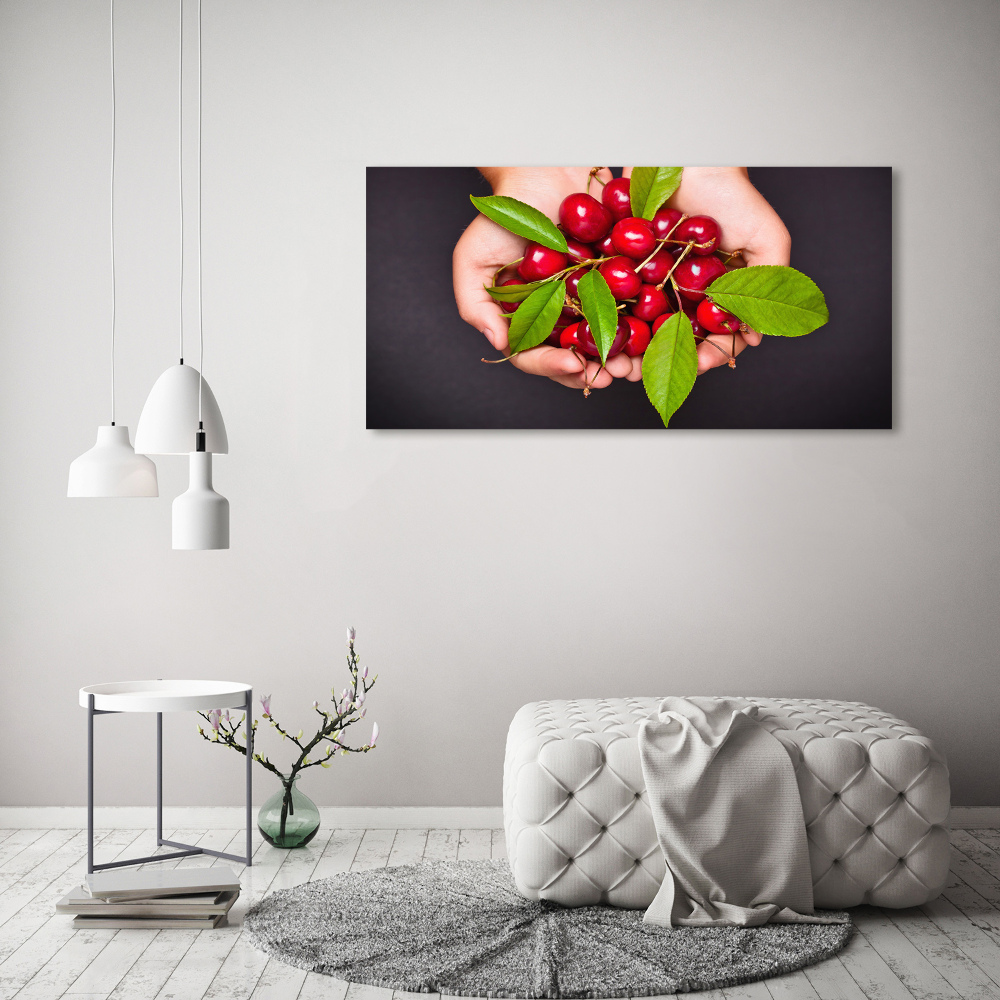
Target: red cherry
573,282
633,237
617,345
606,247
715,319
584,217
703,229
509,307
579,252
540,262
695,325
651,303
615,198
570,337
619,273
694,274
655,270
638,338
664,221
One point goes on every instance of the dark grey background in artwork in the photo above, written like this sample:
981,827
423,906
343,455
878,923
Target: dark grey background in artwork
424,368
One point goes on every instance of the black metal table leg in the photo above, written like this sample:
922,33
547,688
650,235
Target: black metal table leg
90,784
248,729
159,778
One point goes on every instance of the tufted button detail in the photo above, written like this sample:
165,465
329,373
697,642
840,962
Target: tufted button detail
836,748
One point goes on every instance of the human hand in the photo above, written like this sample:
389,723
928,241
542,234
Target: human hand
746,222
485,247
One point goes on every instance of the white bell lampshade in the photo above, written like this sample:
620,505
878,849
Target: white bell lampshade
200,515
169,420
111,468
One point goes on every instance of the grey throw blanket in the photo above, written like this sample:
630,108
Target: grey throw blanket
728,817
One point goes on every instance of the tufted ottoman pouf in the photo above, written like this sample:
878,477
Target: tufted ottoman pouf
579,831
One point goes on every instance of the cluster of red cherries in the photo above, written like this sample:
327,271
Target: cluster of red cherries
649,280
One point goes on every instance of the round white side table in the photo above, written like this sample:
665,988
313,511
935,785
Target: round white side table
161,696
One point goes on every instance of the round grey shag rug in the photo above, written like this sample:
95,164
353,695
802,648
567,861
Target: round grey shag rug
461,927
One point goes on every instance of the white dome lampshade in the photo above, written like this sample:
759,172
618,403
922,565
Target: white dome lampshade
169,420
200,515
111,468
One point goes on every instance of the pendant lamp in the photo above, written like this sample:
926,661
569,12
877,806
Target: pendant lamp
200,515
168,424
112,468
181,415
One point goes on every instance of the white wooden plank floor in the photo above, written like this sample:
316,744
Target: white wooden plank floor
949,948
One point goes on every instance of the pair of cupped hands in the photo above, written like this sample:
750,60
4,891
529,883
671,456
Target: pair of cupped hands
746,222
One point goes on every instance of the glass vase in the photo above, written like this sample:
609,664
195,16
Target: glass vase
289,818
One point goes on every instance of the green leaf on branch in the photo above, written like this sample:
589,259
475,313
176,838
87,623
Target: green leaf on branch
536,316
521,219
599,310
670,365
650,187
779,301
512,293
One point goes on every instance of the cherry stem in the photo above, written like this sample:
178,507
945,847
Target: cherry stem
586,388
553,277
670,274
729,358
502,268
666,239
594,171
583,371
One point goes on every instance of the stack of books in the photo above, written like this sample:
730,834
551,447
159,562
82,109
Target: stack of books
175,897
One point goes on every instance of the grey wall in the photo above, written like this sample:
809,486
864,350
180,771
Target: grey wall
482,570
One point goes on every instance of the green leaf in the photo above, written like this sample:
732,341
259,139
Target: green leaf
522,219
650,187
599,310
536,316
512,293
670,365
776,300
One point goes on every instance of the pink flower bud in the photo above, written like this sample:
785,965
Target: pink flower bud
265,702
351,633
374,734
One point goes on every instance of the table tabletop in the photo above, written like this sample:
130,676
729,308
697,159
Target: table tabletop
165,695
